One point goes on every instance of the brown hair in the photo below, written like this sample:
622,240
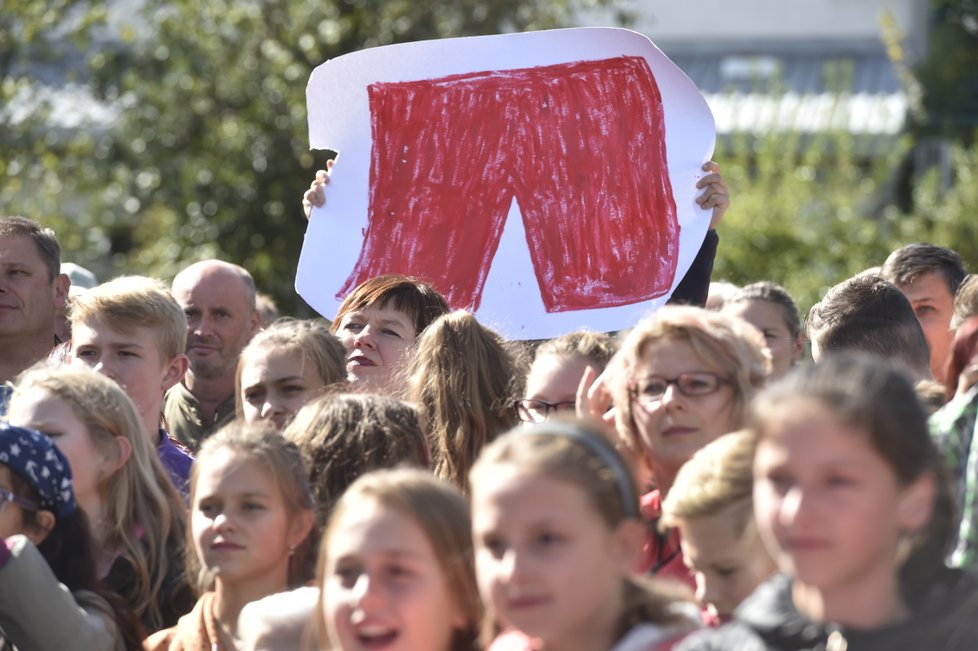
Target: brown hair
910,262
776,295
462,378
963,350
869,314
282,459
442,513
344,435
43,238
871,395
414,297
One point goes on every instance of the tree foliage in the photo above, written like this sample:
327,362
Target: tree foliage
209,153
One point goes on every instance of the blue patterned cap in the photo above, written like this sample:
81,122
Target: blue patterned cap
37,461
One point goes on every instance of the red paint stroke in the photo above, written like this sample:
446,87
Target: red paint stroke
581,146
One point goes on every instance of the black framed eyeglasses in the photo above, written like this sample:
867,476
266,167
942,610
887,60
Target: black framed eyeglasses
7,497
650,390
537,411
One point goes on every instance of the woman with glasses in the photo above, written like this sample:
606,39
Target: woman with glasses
681,379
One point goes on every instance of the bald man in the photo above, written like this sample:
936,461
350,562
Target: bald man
219,301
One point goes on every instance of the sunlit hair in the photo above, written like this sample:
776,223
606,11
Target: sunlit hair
719,340
869,314
267,309
595,347
910,262
963,351
777,296
261,443
877,400
549,451
462,379
144,515
965,301
135,302
442,514
719,477
43,238
345,435
415,298
310,339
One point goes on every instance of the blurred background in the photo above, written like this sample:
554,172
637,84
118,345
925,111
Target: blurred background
152,133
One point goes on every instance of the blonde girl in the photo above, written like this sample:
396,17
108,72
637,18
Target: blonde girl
50,597
395,567
251,514
712,507
851,500
464,381
557,532
136,515
285,366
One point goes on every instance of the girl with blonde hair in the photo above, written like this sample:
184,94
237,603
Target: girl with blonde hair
251,514
285,366
462,380
396,568
557,531
137,516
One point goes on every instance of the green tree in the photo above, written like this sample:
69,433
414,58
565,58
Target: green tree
209,153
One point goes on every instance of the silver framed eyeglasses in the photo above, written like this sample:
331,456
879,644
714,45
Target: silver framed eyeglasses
7,497
537,411
650,390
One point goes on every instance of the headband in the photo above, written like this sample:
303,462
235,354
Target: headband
33,457
599,447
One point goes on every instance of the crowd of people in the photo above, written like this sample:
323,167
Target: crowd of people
181,470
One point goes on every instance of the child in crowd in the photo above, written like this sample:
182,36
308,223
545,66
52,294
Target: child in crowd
712,507
555,374
850,497
682,378
557,533
50,599
378,324
251,514
396,567
285,366
136,515
462,379
132,330
345,435
770,308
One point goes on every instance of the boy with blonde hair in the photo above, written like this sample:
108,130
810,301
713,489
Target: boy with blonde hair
133,331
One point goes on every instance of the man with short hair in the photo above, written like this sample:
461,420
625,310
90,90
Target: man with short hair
929,276
218,299
868,314
32,289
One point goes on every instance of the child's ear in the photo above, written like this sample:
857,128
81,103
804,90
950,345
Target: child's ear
917,503
628,537
44,522
124,451
300,527
175,371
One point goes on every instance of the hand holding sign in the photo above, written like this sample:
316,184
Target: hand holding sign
437,139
